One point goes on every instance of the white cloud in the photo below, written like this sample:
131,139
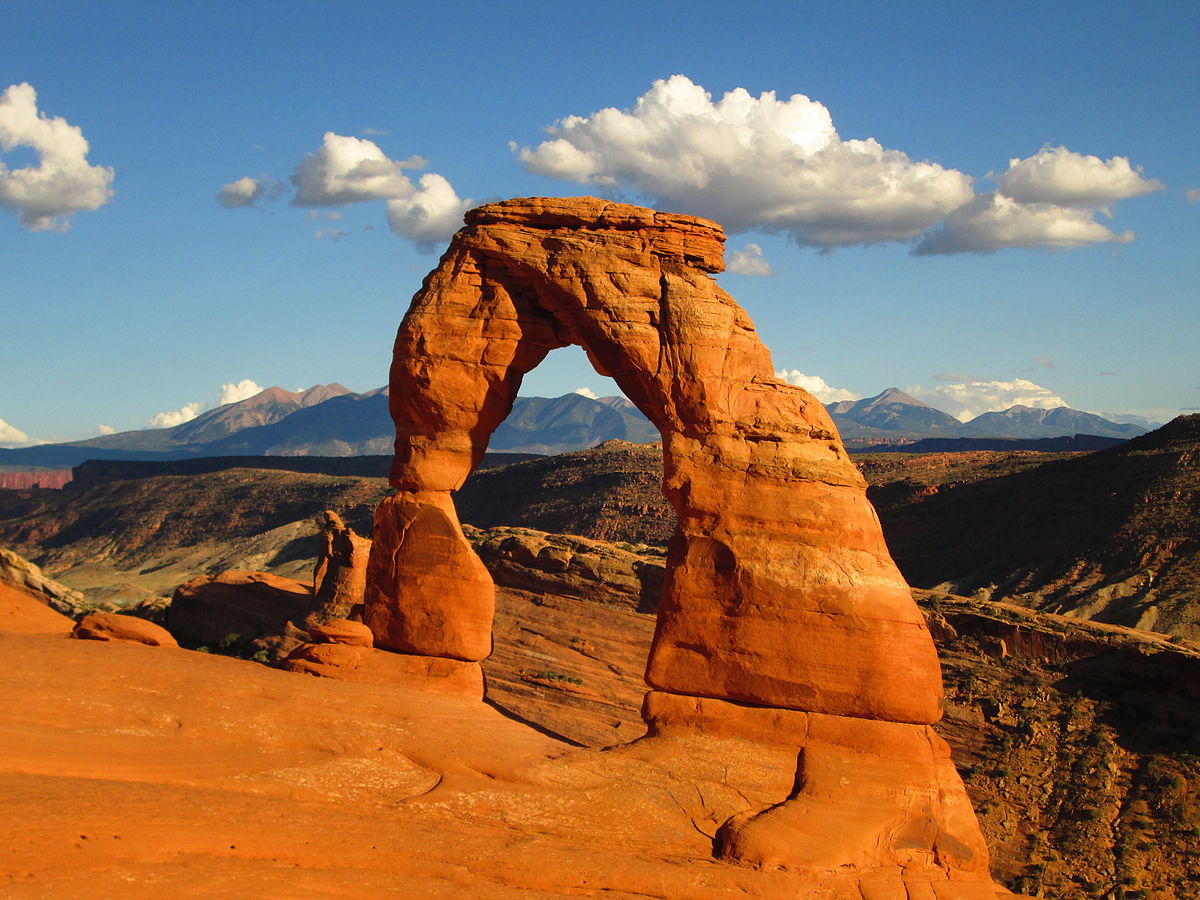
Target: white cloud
1049,201
171,418
62,183
747,261
816,386
229,392
994,222
429,215
1059,176
247,191
752,162
13,437
1193,195
968,399
780,166
235,392
102,429
350,170
586,392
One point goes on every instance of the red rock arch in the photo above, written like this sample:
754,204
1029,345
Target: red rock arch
779,590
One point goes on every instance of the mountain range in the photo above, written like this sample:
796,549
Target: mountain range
331,420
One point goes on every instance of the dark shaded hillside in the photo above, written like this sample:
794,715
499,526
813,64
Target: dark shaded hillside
612,492
94,471
123,522
1112,535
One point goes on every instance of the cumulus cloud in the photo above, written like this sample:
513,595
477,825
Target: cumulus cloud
1049,201
62,183
346,170
816,386
248,191
1057,175
234,392
350,170
13,437
102,429
994,222
430,214
747,261
586,392
230,392
752,162
968,399
780,166
174,417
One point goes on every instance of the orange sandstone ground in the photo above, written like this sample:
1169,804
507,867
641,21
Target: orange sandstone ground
133,771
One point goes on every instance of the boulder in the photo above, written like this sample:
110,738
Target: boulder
338,631
352,662
237,608
105,626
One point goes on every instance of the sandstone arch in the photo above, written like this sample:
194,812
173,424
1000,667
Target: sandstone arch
780,591
783,617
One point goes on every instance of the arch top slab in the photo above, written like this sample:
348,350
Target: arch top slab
779,591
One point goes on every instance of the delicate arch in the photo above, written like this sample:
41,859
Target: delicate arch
779,589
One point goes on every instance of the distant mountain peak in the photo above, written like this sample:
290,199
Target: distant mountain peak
893,395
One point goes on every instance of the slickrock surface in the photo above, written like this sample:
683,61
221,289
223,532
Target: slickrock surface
22,612
102,626
778,592
136,774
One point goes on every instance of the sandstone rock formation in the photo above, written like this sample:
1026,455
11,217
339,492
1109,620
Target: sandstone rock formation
236,607
775,538
341,572
21,573
779,591
22,613
570,566
105,626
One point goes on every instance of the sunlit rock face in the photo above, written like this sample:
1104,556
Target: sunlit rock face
783,618
780,591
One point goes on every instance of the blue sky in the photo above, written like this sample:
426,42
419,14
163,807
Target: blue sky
129,292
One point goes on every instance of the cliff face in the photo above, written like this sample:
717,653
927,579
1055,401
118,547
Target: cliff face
35,478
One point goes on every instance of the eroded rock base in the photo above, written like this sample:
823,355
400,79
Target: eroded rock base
354,662
878,799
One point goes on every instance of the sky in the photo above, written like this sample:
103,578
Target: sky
981,204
